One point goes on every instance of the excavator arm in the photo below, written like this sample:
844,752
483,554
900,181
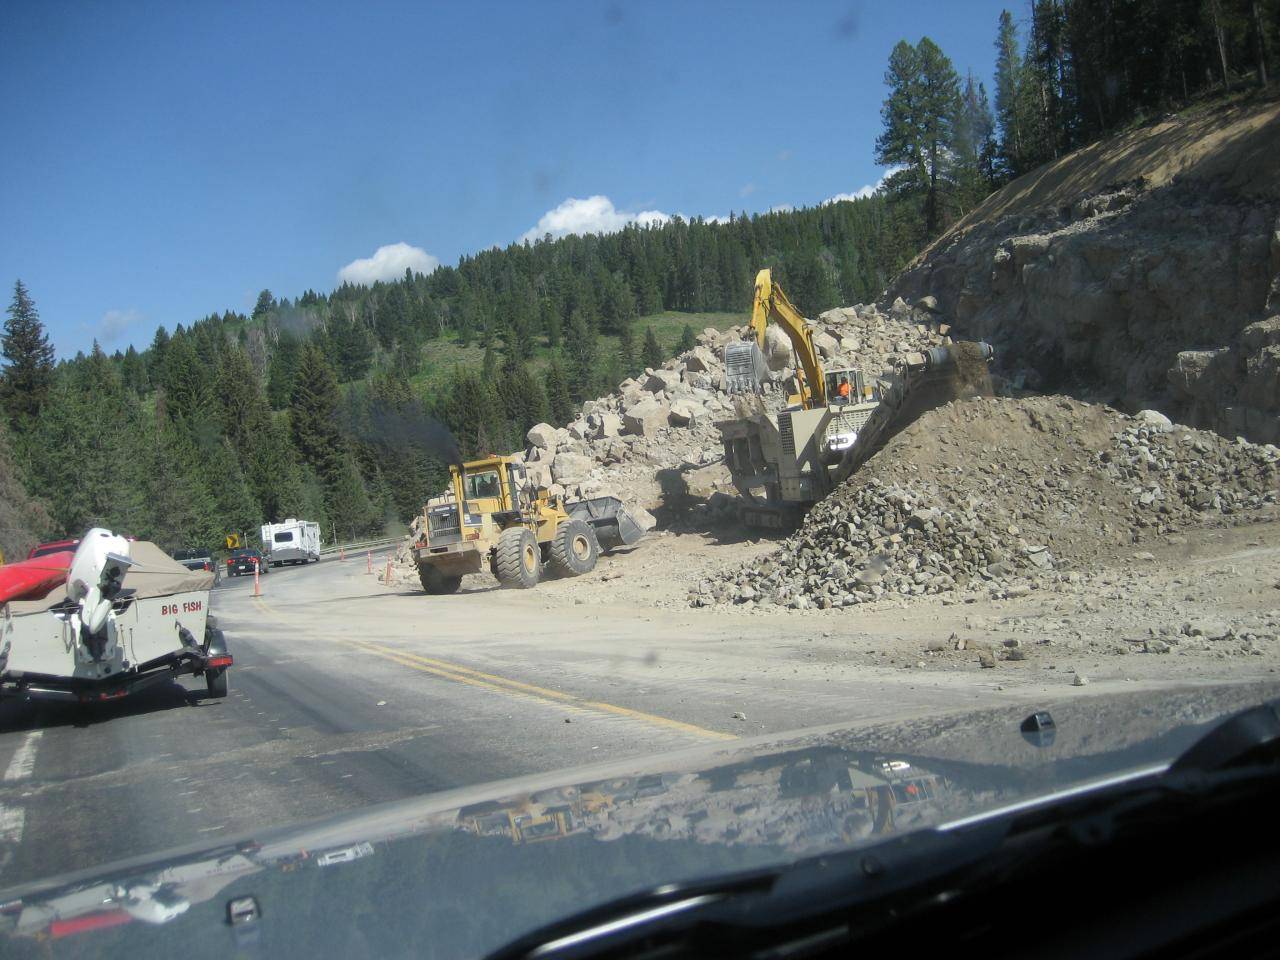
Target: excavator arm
772,304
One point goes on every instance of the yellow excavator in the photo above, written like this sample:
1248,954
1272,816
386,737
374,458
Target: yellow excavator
783,463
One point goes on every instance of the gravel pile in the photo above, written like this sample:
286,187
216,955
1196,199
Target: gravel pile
1003,495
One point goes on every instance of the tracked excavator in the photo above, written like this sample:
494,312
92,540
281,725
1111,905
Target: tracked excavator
782,463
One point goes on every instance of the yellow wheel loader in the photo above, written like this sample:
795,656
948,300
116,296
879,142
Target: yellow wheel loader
492,517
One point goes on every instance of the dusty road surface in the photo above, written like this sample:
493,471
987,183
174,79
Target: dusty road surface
347,691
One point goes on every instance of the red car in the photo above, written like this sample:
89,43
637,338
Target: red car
53,546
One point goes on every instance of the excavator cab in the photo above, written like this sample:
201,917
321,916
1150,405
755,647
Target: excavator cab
850,386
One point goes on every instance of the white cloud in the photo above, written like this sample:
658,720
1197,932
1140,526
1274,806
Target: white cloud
782,208
115,323
388,263
595,214
864,191
748,190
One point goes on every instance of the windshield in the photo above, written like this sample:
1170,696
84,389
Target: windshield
481,484
845,383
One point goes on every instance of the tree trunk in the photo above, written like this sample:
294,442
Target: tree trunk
1216,11
1260,43
931,202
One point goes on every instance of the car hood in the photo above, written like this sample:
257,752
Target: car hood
460,873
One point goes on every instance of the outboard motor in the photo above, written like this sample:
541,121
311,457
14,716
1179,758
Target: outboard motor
94,581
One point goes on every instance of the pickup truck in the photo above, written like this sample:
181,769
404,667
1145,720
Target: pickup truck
195,559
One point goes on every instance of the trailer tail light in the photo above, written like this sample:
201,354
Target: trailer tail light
223,660
105,695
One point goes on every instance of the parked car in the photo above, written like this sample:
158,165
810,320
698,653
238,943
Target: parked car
194,558
243,561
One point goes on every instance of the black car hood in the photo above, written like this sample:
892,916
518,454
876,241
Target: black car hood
458,874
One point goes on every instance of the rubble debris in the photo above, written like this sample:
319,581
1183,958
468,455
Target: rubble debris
999,496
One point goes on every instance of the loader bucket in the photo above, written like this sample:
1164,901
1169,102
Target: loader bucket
613,525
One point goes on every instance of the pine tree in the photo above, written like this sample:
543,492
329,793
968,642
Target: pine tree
183,510
688,340
1009,119
348,346
559,399
651,352
282,371
582,349
155,354
348,503
313,411
27,374
628,358
133,371
523,401
974,146
266,304
24,520
919,117
188,388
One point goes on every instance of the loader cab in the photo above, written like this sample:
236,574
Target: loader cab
490,488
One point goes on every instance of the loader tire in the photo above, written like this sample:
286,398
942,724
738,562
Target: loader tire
574,550
518,559
435,582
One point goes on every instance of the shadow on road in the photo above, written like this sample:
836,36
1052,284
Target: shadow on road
20,715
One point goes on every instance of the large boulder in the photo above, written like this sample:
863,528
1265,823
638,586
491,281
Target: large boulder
643,518
662,380
569,468
607,425
645,418
825,344
539,474
684,412
630,391
542,436
701,360
699,381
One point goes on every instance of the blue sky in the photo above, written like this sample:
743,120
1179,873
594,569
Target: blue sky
164,161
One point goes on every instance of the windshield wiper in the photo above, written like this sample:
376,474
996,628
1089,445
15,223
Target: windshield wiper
1202,820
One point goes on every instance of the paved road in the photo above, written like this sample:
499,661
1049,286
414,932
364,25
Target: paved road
347,693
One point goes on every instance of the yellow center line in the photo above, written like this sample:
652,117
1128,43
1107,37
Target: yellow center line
266,610
448,670
453,671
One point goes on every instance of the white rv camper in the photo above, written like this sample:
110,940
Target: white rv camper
293,541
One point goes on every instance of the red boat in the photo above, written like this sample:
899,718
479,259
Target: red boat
33,579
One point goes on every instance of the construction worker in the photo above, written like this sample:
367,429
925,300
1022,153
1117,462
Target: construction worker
843,390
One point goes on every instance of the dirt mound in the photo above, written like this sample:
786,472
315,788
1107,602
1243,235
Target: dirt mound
998,494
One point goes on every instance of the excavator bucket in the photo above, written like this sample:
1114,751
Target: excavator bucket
613,525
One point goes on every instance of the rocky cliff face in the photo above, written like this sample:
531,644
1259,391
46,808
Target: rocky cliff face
1162,291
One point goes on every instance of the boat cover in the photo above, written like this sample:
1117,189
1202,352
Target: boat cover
154,574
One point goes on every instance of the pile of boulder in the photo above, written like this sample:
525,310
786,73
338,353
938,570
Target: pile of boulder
665,418
1003,496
